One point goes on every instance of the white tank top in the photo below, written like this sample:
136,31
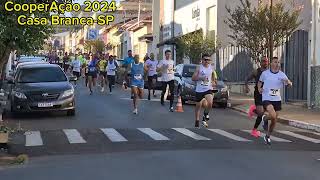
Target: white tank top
111,68
203,86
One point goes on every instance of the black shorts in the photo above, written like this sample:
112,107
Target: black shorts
201,95
93,74
258,98
102,73
276,105
75,73
150,78
111,79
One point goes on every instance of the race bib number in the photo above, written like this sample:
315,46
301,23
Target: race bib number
205,83
274,92
170,70
92,69
138,76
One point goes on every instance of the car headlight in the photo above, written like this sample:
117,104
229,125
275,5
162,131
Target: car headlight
225,89
67,93
20,95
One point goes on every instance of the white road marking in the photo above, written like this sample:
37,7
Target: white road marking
229,135
74,136
318,134
273,138
300,136
153,134
113,135
191,134
33,138
153,100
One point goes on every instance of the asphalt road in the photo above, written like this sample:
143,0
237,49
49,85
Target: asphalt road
105,140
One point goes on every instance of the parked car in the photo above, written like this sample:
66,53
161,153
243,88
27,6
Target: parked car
185,87
42,87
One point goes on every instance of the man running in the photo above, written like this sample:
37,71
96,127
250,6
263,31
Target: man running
103,72
127,65
165,67
111,72
151,67
92,72
258,108
137,82
205,79
76,68
273,80
65,62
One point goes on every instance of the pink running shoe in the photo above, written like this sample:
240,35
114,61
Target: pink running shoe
251,111
255,133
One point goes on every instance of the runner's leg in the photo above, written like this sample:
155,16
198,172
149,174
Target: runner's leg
149,86
154,81
197,113
171,88
134,91
90,79
164,89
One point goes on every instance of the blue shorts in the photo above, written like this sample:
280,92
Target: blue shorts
138,84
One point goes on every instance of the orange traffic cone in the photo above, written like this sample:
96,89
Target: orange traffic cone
179,107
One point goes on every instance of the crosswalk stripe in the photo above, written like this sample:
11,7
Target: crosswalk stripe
74,136
300,136
229,135
113,135
33,138
273,138
318,134
190,134
153,134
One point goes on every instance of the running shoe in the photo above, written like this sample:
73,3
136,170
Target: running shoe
135,111
91,92
255,133
267,140
110,93
102,89
205,117
149,98
265,124
251,111
154,95
171,109
196,125
205,124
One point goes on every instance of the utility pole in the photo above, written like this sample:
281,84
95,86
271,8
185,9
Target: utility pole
271,31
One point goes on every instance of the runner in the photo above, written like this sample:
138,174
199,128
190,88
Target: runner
150,67
65,62
76,68
111,72
273,80
258,108
86,70
127,65
137,82
92,72
205,79
103,72
165,67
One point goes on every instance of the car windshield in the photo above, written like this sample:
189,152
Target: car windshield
42,74
188,71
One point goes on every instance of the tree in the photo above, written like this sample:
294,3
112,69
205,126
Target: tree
193,45
25,39
253,27
94,46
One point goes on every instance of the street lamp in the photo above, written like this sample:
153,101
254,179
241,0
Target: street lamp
271,31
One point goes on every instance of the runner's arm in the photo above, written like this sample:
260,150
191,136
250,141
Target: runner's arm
214,78
195,76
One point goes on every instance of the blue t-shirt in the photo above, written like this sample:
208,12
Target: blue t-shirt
92,65
128,60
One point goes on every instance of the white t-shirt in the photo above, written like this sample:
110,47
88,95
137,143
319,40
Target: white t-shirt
76,64
111,68
206,72
152,67
273,82
168,73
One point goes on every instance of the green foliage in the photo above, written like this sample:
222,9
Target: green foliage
193,45
251,27
94,46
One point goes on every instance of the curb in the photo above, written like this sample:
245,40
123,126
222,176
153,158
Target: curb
289,122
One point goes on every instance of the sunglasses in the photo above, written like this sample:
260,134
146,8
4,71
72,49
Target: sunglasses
206,59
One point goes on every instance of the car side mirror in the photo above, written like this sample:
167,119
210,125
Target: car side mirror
73,78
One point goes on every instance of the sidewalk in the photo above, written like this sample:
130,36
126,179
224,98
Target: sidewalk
292,115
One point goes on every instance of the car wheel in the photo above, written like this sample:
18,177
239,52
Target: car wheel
71,112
